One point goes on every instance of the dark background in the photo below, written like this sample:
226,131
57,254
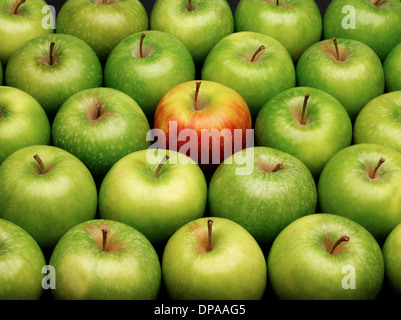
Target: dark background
148,4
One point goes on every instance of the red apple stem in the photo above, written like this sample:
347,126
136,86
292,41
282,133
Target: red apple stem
141,45
337,243
160,165
304,108
379,163
17,5
209,235
40,162
51,59
336,47
261,48
198,84
190,5
104,243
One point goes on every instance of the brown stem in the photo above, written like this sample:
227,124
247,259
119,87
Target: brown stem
190,6
337,242
304,108
160,165
277,3
376,2
104,243
209,235
17,5
104,1
141,45
379,163
198,84
40,162
336,47
51,59
262,47
277,167
98,110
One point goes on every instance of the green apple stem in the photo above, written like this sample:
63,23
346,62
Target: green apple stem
337,243
277,167
336,47
374,172
376,2
277,3
51,59
104,242
304,108
160,165
98,110
40,162
104,1
261,48
17,5
198,84
209,235
141,45
190,5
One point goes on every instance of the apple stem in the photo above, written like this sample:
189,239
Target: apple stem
51,61
277,167
376,2
277,3
160,165
104,1
262,47
379,163
40,162
104,232
209,234
17,5
141,45
198,84
190,6
304,108
98,110
336,47
337,242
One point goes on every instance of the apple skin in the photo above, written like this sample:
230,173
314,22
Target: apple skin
129,268
353,82
23,122
21,261
76,67
46,205
378,122
17,29
263,202
345,187
100,25
229,63
222,108
301,268
200,29
295,24
155,206
99,142
379,27
392,260
192,273
391,67
166,63
328,127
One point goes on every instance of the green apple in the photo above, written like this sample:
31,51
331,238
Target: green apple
325,257
145,65
392,260
305,122
392,67
362,183
347,69
297,24
102,24
253,64
278,189
379,121
100,126
105,260
21,263
52,68
213,259
198,24
154,192
23,122
377,23
21,21
46,191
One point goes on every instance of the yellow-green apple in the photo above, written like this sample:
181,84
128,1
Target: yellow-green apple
325,257
347,69
392,261
297,24
392,67
145,65
23,122
305,122
362,183
213,258
105,260
46,191
154,191
253,64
